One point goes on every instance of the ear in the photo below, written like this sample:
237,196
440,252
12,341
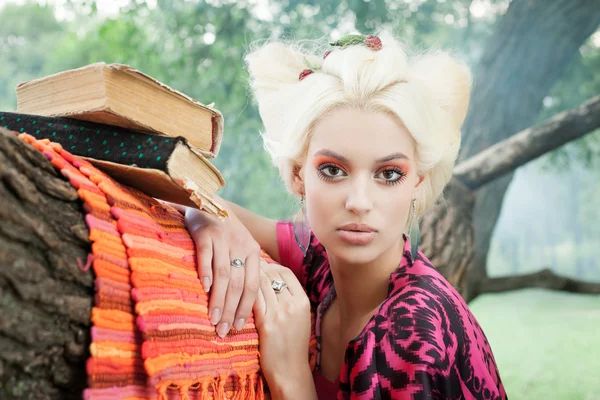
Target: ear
420,179
298,180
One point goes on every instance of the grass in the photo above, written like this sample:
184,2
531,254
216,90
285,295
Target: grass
546,344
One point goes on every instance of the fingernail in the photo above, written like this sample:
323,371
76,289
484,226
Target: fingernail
215,316
239,324
222,329
206,283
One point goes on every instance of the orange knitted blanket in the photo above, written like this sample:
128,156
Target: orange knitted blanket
151,336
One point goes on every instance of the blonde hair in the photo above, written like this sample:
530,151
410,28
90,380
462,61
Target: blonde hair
428,93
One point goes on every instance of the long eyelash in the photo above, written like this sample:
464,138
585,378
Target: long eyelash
399,172
328,178
323,176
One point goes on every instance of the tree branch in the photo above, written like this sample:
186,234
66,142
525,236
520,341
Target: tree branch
508,155
544,279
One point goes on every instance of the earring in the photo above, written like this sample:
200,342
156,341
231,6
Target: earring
413,233
301,228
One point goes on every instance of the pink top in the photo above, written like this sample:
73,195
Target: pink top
423,341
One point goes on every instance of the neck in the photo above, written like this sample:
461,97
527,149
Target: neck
361,288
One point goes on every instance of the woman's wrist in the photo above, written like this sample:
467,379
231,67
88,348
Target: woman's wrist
293,382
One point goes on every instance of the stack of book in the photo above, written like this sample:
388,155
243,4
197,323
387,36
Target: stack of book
137,129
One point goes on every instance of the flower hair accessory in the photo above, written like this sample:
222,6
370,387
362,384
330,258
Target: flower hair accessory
372,42
311,68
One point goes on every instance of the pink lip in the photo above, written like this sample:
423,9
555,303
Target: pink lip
356,237
357,228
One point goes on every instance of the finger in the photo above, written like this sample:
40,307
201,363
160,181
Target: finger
272,270
267,291
232,298
221,271
260,306
284,294
293,285
204,255
251,286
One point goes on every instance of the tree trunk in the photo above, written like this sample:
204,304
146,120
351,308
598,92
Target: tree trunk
447,230
46,299
526,56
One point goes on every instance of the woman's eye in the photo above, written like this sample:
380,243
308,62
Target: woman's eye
332,171
391,175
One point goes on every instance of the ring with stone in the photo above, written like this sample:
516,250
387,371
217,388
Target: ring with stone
236,262
278,285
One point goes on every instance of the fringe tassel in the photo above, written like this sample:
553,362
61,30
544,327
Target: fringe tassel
221,389
240,394
251,392
260,390
205,392
161,390
183,392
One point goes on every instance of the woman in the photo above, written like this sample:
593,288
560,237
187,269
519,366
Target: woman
367,138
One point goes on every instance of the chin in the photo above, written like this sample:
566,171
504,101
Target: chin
353,254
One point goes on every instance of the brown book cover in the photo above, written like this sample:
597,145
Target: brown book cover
119,95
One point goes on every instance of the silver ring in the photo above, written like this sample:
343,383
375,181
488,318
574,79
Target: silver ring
278,285
236,262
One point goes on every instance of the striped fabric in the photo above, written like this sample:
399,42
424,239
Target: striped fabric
151,336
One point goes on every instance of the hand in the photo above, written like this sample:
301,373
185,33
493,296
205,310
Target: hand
283,323
233,290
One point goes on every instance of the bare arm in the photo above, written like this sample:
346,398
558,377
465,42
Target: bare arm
300,387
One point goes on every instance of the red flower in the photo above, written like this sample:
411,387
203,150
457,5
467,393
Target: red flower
305,73
373,42
326,54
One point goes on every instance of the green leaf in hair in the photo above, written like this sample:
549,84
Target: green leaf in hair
310,65
349,40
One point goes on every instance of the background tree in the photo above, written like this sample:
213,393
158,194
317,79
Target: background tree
529,51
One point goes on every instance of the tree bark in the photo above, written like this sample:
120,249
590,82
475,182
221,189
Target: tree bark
447,235
526,56
46,299
519,149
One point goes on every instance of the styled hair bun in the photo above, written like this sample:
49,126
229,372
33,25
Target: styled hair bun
448,82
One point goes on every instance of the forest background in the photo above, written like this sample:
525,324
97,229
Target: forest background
549,215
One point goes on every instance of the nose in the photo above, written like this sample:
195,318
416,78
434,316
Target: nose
358,200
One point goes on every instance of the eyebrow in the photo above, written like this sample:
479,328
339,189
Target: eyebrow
393,156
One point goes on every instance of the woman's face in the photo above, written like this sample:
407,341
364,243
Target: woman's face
360,169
